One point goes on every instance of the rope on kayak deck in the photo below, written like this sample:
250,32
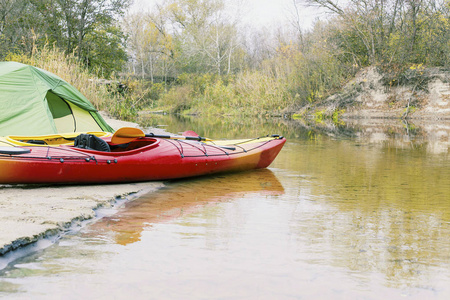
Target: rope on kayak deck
60,157
202,147
204,150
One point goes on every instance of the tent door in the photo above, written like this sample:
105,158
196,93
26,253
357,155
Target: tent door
70,118
62,113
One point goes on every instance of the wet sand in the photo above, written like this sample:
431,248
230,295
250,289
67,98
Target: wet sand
31,212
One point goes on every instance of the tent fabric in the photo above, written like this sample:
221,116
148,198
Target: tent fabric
36,102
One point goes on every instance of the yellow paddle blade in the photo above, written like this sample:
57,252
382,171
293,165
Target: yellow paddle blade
126,134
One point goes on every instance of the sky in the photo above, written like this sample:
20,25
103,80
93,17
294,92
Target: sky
258,13
270,12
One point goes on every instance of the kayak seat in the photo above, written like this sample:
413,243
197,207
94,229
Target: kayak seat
36,142
119,147
131,145
91,142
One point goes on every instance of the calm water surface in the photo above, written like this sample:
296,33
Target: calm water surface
343,213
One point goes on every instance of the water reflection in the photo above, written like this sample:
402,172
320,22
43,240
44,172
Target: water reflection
432,136
182,198
373,209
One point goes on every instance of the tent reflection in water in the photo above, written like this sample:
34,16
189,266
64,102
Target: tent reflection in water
36,102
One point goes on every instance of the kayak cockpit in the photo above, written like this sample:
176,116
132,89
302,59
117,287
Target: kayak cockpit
87,143
134,145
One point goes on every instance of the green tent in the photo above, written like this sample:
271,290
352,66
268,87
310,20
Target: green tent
37,102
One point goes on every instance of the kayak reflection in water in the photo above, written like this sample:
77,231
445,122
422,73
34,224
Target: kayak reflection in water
184,197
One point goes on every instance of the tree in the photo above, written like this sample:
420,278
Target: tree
206,35
75,26
383,31
151,45
184,36
13,26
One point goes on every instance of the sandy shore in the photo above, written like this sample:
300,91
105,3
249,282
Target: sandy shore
29,213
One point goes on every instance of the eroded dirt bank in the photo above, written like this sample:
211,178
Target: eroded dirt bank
418,93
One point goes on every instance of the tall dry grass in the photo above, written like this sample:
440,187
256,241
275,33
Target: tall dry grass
289,80
246,93
68,68
292,78
103,96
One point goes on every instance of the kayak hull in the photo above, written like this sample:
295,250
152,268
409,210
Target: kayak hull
144,159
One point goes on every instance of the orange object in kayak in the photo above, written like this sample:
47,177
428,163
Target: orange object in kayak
142,159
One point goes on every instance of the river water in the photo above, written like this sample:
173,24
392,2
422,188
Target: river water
357,211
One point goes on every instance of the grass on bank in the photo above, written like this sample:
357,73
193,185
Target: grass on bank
242,94
283,84
102,96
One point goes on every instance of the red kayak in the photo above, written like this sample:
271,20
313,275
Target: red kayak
140,159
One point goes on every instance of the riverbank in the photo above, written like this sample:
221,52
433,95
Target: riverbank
418,94
29,213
